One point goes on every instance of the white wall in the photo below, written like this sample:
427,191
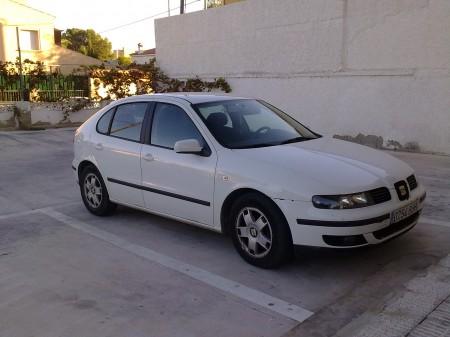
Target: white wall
342,67
142,58
6,115
53,114
47,114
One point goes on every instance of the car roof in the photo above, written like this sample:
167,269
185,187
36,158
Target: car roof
191,97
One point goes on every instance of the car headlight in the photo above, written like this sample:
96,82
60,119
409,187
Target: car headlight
356,200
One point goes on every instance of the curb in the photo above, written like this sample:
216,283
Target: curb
404,312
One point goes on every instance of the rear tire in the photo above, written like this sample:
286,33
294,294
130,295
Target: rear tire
94,193
260,232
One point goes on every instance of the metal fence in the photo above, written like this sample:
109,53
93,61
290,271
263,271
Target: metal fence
9,95
50,88
54,95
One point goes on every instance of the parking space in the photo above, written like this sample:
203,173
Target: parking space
65,272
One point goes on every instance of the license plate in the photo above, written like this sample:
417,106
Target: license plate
404,212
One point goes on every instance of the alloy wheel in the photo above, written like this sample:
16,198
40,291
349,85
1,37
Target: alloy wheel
254,232
93,190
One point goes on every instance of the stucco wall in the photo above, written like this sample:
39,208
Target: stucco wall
7,115
2,42
340,66
141,58
42,114
53,113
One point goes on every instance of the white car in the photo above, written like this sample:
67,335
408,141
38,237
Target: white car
242,167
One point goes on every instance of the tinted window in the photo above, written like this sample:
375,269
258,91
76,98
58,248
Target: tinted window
207,111
127,122
103,122
249,123
171,124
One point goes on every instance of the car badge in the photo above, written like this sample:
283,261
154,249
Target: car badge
403,191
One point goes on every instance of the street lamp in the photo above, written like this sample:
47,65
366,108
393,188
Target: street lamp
181,6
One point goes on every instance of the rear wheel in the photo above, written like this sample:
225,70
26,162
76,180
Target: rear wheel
260,232
94,193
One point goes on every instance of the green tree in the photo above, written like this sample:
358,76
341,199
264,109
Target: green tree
124,60
87,42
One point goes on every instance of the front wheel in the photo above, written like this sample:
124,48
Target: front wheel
94,193
260,232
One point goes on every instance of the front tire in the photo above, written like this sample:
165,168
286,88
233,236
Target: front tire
94,193
260,232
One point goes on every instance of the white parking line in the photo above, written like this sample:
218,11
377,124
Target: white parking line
37,210
239,290
435,222
444,181
12,215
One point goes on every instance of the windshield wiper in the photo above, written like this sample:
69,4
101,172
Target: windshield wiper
295,140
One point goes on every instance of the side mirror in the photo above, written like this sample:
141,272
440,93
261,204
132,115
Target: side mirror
191,146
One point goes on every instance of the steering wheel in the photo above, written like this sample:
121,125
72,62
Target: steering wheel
263,129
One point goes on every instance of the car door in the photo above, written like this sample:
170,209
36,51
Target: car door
175,184
118,151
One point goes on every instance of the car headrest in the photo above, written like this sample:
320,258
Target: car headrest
217,119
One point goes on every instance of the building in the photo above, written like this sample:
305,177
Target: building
218,3
143,56
342,67
118,53
39,40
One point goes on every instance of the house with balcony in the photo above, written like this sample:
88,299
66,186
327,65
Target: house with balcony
143,56
38,38
218,3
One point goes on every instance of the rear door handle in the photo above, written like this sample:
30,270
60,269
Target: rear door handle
99,146
149,157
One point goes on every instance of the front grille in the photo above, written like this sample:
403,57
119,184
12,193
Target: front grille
412,182
380,195
396,227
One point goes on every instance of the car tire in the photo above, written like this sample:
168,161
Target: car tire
260,232
94,193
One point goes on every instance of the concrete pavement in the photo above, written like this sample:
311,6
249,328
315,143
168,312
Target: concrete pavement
64,272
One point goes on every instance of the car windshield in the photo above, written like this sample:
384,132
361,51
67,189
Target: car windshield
247,123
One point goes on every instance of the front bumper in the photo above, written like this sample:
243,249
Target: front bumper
75,170
348,228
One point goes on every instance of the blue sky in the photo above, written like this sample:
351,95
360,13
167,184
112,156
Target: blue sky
102,15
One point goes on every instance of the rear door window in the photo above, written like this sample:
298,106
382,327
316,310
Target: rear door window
128,121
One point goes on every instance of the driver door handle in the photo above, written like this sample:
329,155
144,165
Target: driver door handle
99,146
148,157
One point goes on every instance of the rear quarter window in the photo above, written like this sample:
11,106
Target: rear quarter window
104,121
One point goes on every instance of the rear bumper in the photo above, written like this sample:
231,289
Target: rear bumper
348,228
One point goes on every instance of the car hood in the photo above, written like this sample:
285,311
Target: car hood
325,166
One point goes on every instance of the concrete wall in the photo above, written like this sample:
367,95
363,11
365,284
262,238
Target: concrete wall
141,58
53,113
7,115
42,114
343,67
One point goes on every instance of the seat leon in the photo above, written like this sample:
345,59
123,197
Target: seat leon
245,168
